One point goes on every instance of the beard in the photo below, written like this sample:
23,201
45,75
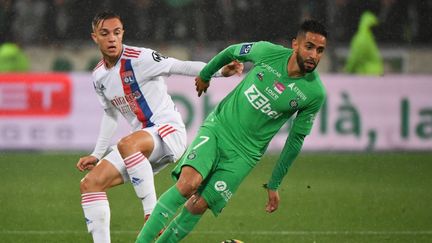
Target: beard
303,67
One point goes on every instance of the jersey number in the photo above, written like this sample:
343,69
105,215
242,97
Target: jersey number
204,140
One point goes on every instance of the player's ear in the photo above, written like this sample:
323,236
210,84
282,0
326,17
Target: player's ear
93,35
294,44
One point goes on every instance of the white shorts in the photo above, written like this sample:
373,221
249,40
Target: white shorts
168,148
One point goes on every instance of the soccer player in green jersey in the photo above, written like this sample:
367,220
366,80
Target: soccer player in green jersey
282,83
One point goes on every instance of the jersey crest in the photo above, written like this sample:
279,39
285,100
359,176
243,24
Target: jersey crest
127,77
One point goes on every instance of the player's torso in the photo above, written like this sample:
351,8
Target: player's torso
268,96
261,104
142,99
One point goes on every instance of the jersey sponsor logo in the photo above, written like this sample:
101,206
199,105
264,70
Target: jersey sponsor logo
127,77
260,102
35,95
157,57
272,93
298,92
271,69
126,103
278,87
245,49
260,76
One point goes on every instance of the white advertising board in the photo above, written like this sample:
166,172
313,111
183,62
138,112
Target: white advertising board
61,112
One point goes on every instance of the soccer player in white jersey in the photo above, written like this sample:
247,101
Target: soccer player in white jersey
128,82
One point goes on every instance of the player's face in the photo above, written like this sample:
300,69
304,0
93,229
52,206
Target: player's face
109,36
309,49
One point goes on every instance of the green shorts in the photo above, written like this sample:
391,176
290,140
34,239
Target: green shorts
220,165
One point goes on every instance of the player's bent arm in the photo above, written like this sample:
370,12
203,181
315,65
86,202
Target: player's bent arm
106,132
289,153
243,52
217,62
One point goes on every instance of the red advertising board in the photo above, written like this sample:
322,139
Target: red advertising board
35,95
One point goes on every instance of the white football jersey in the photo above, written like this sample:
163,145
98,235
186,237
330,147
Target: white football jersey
135,88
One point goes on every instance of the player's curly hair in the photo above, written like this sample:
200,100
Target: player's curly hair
102,16
314,26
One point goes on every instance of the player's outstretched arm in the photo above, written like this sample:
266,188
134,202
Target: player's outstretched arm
86,163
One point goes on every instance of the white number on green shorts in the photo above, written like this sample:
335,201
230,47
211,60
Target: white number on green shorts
204,140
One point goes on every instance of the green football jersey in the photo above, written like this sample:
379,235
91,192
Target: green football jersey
265,99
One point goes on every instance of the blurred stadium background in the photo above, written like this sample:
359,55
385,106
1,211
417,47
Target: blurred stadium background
364,174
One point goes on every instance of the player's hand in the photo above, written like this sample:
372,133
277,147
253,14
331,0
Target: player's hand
234,67
86,163
201,86
273,201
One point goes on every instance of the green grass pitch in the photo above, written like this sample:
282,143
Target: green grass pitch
326,197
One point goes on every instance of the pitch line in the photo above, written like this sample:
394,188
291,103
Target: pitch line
123,232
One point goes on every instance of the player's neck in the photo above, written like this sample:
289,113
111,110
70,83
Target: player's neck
110,61
293,68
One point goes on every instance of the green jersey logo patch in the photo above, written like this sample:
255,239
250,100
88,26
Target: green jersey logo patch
191,155
293,104
245,49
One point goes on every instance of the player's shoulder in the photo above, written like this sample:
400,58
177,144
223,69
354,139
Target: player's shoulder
270,46
99,70
132,52
99,65
142,54
266,49
316,80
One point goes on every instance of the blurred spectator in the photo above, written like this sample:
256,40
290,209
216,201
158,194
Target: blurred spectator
246,20
215,20
364,57
62,64
29,20
57,20
424,18
145,14
48,21
315,9
81,14
180,21
393,19
12,59
345,15
6,17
